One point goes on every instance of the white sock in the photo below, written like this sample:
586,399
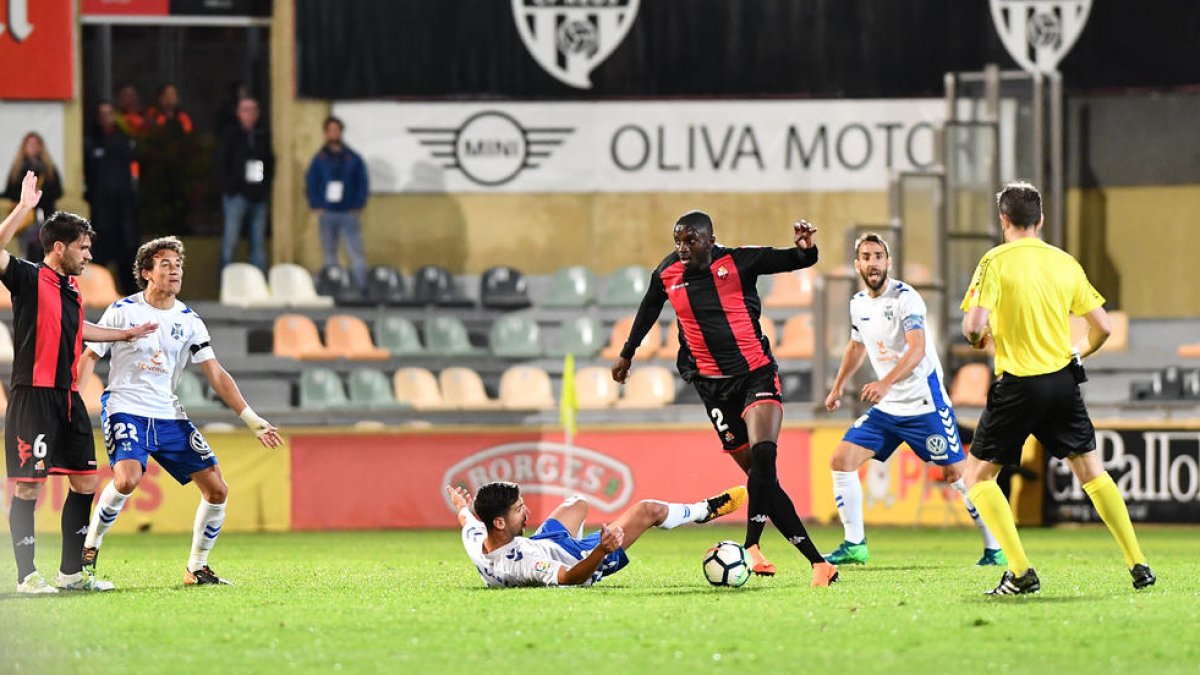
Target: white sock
679,514
847,494
209,518
988,540
105,515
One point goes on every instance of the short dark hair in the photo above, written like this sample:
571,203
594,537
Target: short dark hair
494,500
875,238
333,120
65,227
144,259
1021,203
696,220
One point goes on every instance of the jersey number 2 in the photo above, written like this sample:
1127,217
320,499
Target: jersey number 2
718,419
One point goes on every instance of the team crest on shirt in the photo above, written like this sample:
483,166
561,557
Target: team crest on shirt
889,312
722,272
177,331
542,566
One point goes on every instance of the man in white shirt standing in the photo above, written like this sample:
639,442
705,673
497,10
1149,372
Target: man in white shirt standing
887,324
141,415
558,554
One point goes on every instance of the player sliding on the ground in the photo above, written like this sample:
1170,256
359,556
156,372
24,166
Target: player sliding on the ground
887,323
558,554
141,415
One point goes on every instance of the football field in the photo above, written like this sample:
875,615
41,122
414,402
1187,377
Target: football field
409,601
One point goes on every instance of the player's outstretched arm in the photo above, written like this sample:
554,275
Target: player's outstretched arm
30,196
222,382
852,359
96,333
611,539
461,499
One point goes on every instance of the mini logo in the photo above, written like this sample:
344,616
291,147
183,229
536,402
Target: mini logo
547,468
1039,33
722,273
760,518
491,147
177,331
158,358
569,38
936,445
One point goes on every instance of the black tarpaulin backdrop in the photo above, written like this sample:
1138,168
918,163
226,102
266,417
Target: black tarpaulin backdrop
436,49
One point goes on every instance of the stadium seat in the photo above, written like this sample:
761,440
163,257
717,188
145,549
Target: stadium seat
399,336
296,337
648,387
370,389
292,285
580,335
669,350
190,392
243,285
463,389
625,287
571,287
503,288
792,289
98,287
764,284
620,332
798,338
1118,341
970,385
595,388
435,286
320,389
348,337
526,388
916,274
418,388
3,401
1191,351
90,392
386,286
447,336
767,324
515,337
5,299
334,281
6,344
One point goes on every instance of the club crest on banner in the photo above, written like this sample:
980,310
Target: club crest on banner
569,38
1039,33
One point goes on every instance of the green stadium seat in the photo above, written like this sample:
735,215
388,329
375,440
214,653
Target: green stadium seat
447,336
581,335
322,388
399,336
571,287
371,389
190,392
515,337
625,287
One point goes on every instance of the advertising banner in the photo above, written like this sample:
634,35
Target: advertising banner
709,146
1157,471
360,481
37,42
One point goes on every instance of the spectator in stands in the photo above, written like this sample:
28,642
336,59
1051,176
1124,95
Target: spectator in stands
227,111
33,156
337,192
108,168
129,115
170,166
244,167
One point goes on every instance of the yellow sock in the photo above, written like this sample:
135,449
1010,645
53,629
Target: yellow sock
994,510
1111,506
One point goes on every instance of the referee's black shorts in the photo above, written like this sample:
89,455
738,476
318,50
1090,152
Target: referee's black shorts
47,431
1049,407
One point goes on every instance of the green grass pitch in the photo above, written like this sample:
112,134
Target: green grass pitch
411,602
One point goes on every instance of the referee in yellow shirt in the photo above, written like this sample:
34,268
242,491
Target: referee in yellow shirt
1022,296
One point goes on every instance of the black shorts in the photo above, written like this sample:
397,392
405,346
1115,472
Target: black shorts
1049,407
727,400
47,431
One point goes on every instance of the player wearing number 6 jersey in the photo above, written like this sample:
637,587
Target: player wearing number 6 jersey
887,325
141,414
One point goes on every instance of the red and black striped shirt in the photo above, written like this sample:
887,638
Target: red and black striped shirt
47,325
717,309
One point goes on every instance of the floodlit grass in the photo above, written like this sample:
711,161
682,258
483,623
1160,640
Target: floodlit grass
411,602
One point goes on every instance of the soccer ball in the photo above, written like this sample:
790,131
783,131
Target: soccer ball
726,565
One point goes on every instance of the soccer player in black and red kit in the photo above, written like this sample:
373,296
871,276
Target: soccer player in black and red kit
723,353
47,429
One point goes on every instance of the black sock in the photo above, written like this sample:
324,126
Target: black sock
20,524
76,513
758,484
787,521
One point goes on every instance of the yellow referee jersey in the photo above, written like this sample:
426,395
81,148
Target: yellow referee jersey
1030,289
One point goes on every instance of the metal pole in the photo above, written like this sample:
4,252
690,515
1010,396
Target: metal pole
1057,170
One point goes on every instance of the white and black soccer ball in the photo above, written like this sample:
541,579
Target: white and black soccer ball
726,565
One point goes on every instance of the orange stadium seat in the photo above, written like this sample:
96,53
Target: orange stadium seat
463,389
526,388
798,338
349,337
648,387
767,324
5,299
794,289
296,337
670,346
620,331
595,388
3,401
1117,342
98,287
1191,351
970,385
7,353
418,388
